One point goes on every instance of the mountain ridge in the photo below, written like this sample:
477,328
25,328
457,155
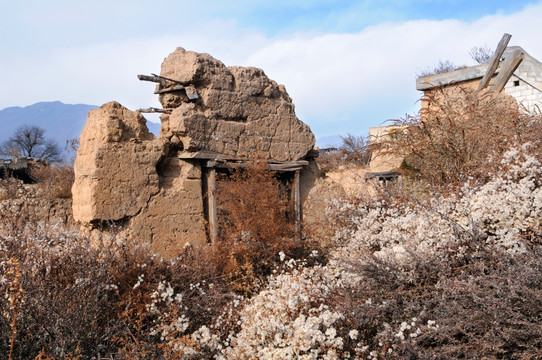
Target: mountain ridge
60,121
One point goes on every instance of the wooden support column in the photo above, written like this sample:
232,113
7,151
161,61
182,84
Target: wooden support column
297,200
210,177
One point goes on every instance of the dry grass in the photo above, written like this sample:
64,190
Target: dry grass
54,181
456,135
257,221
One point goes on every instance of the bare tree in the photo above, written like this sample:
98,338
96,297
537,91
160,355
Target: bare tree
441,68
356,149
481,54
29,140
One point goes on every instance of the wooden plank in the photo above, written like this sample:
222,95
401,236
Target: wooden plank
202,154
510,65
153,78
494,62
243,165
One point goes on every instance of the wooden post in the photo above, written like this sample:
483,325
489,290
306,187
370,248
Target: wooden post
494,62
211,204
510,65
297,201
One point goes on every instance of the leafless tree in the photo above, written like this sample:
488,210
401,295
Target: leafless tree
481,54
441,68
29,140
355,148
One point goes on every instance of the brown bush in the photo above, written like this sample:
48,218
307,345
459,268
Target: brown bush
79,300
456,134
354,151
10,188
54,181
485,305
257,221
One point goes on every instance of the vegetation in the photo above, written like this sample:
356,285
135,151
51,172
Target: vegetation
444,264
354,151
481,54
30,141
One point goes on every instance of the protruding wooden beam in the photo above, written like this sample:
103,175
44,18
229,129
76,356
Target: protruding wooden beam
155,110
494,62
510,65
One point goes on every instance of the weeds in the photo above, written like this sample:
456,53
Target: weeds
54,181
458,131
257,221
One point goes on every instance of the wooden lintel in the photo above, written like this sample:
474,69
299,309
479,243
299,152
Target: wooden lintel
291,166
494,62
203,155
507,70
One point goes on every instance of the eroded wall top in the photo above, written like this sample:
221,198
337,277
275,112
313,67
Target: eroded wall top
239,111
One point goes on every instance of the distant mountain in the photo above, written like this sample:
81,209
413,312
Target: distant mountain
60,121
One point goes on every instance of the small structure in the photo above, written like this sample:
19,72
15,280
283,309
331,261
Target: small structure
162,189
383,164
20,168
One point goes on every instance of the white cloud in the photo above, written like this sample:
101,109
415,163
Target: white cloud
339,82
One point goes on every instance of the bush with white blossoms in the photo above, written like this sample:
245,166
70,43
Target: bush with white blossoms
435,276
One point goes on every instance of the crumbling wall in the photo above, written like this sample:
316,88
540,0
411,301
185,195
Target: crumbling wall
240,112
126,176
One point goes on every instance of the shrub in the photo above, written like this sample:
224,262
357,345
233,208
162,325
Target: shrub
257,221
54,181
457,133
354,151
77,300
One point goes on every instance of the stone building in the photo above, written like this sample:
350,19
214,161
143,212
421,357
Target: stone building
161,190
524,84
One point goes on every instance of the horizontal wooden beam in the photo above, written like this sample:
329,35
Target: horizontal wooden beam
286,166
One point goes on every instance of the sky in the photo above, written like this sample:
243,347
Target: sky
347,65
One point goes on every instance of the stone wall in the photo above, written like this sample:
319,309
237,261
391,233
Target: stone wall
525,85
152,187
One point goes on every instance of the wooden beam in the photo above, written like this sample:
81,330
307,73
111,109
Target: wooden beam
297,200
155,110
494,62
292,166
510,65
202,154
168,89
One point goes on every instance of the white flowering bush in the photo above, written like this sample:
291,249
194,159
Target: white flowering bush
453,274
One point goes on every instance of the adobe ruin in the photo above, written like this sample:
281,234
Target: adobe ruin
213,116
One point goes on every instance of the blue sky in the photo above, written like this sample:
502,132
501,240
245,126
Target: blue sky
348,65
